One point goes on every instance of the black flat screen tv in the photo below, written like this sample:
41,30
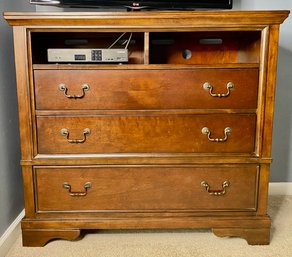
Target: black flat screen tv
140,4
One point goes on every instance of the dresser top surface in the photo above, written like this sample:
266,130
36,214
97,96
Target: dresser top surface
165,18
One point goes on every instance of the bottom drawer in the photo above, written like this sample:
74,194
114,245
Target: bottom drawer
144,188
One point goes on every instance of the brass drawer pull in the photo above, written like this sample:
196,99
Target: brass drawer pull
64,132
85,87
227,131
216,192
67,186
207,86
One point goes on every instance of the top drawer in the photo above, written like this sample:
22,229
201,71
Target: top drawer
146,89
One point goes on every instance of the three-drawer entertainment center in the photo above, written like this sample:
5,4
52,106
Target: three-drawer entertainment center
178,136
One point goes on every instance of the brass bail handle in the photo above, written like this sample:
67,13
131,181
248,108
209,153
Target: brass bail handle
208,87
64,132
63,88
221,192
67,186
227,131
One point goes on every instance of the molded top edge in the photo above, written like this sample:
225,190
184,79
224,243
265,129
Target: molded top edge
206,18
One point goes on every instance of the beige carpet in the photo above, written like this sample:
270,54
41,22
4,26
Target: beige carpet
182,243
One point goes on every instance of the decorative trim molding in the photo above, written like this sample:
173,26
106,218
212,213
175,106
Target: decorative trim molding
283,188
10,235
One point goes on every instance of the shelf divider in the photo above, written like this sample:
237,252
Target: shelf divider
146,48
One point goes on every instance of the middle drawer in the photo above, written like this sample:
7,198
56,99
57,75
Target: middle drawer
212,133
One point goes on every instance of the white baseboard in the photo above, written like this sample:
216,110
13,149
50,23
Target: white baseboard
10,235
284,188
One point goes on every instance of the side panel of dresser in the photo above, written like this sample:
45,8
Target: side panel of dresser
25,115
266,108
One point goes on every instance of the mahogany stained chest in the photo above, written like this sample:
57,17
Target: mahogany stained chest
177,137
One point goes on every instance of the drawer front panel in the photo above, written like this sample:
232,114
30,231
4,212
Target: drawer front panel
165,133
146,89
146,188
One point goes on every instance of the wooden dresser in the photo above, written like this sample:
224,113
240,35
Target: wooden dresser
177,137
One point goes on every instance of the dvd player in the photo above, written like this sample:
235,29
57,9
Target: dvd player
87,55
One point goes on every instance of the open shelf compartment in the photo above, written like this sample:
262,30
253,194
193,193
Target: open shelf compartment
42,41
203,48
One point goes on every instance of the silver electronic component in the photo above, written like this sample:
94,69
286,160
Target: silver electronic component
87,55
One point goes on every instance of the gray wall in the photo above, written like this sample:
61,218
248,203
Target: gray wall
11,196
